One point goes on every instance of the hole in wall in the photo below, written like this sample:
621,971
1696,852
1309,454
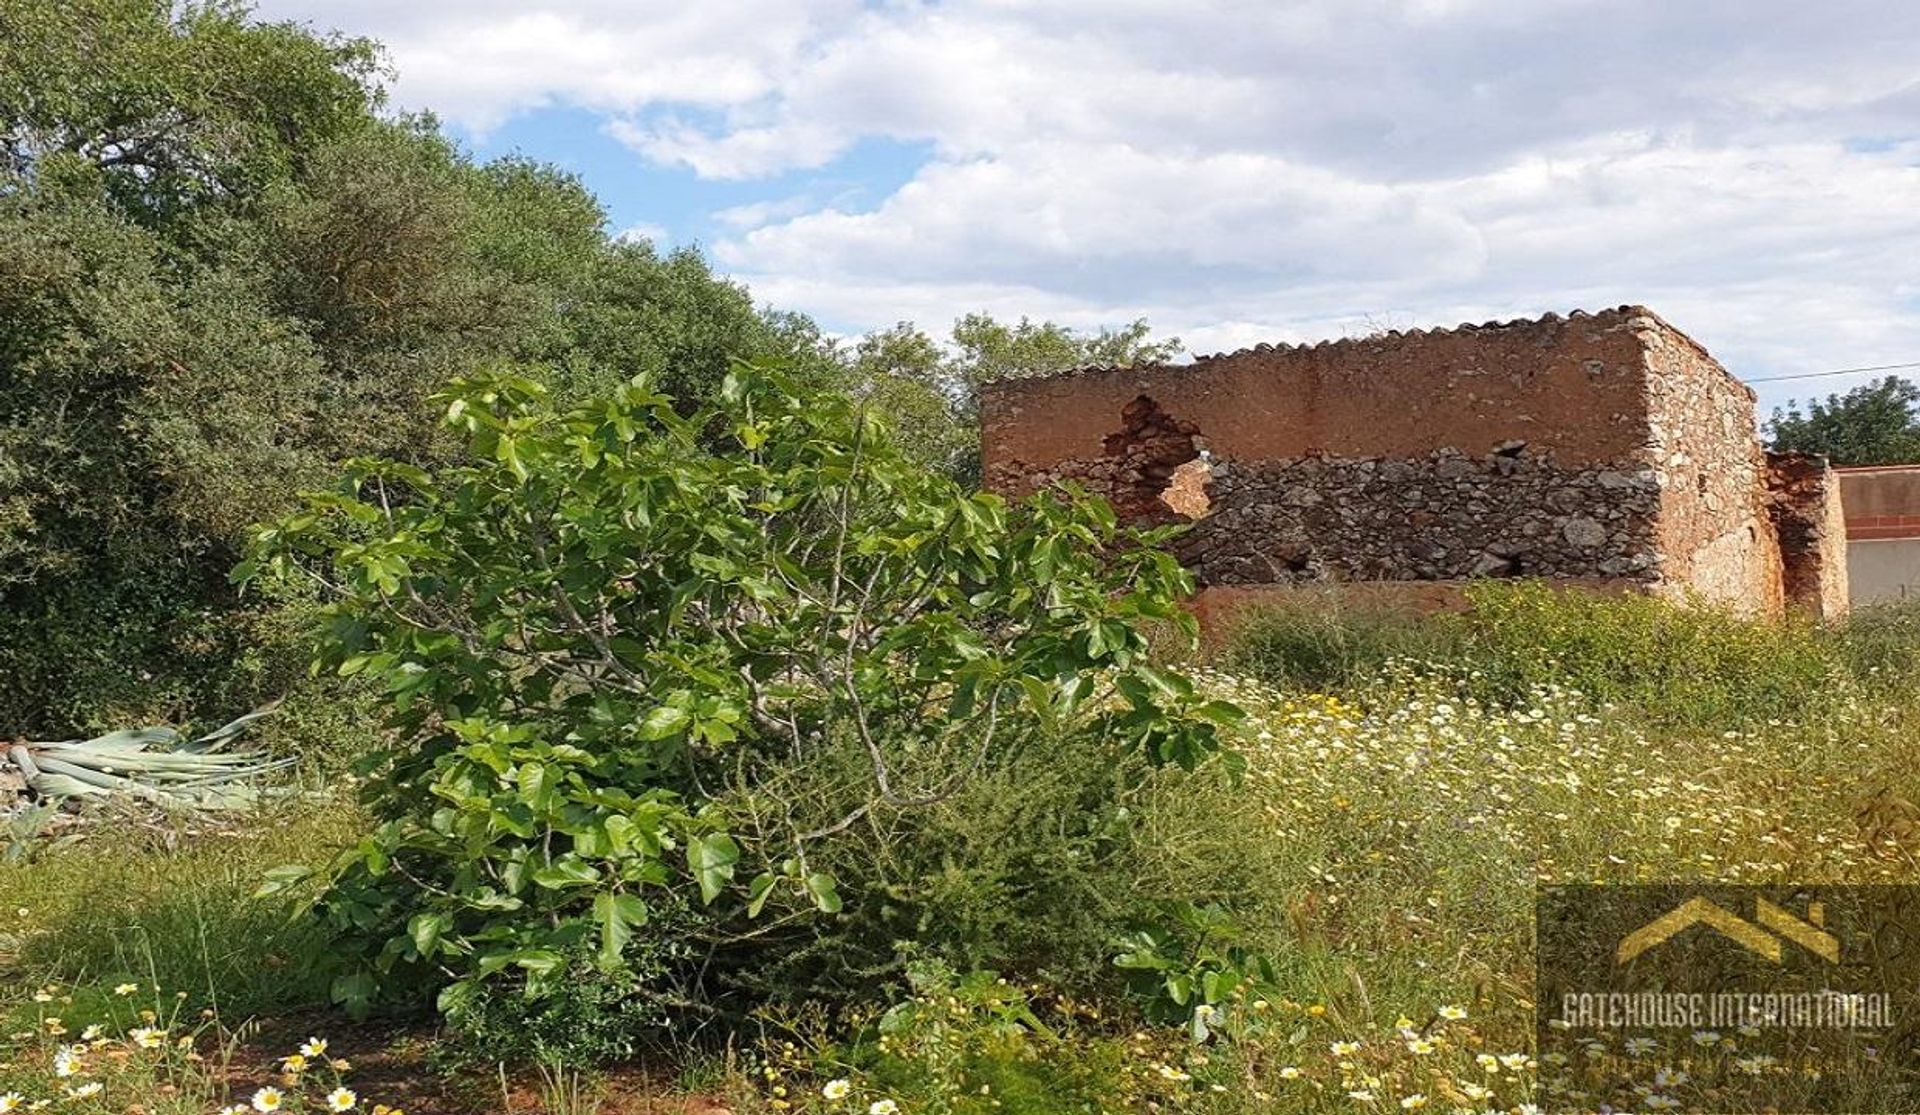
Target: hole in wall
1186,492
1162,471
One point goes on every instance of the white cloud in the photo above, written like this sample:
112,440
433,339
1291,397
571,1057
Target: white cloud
644,231
479,62
1240,170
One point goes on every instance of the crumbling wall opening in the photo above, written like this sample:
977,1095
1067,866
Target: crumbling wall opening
1810,529
1153,448
1188,492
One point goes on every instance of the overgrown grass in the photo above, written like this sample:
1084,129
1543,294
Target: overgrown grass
1409,787
123,901
1685,668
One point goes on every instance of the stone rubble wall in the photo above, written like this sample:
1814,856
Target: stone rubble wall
1440,516
1716,533
1812,529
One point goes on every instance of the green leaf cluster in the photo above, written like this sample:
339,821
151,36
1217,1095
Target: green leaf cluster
1877,423
607,634
228,271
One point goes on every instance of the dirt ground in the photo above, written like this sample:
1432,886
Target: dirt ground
390,1066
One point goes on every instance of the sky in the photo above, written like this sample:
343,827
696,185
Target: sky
1234,172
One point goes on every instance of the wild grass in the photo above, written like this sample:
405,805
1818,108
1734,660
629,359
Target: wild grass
1408,788
1679,668
173,908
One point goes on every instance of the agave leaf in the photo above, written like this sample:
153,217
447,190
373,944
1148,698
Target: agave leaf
223,735
163,762
127,739
155,764
96,781
62,786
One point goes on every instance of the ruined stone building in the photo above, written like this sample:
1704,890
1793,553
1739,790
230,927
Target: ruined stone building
1605,449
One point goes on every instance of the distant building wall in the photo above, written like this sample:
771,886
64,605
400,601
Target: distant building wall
1883,532
1884,570
1598,449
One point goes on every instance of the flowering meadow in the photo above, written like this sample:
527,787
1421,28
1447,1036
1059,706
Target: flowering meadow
137,1049
1389,832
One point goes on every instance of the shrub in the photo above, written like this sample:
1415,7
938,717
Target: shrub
1034,868
593,1015
608,635
1687,666
958,1044
1326,643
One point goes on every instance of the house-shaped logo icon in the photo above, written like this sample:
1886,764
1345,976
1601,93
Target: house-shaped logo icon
1762,935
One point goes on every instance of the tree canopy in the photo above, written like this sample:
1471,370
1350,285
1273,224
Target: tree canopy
230,269
1876,423
930,389
227,271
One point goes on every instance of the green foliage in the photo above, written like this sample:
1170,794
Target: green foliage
1675,665
594,1015
171,106
929,390
1034,867
226,273
1192,967
1876,423
611,630
139,419
1881,645
973,1044
1688,666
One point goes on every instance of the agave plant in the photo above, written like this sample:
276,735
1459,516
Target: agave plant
158,765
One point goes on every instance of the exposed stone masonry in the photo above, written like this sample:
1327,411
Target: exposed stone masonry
1603,448
1441,516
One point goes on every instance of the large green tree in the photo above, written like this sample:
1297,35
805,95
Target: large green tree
1874,424
227,270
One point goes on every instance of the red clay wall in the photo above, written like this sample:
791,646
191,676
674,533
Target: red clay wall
1570,387
1601,447
1881,503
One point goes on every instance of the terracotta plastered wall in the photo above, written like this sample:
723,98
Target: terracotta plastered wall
1883,532
1716,534
1570,388
1601,448
1881,503
1501,451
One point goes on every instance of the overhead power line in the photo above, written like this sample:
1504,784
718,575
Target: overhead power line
1838,372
